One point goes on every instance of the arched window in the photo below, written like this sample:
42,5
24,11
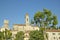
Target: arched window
27,19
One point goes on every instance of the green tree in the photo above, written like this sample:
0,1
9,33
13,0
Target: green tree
1,35
48,17
55,22
45,19
38,18
36,35
20,36
7,34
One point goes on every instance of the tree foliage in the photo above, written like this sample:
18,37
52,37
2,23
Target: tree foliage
20,36
1,35
45,19
5,35
36,35
38,18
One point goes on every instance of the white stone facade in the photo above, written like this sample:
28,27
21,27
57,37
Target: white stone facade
53,34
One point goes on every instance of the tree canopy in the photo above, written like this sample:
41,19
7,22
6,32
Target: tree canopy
36,35
20,36
5,35
45,19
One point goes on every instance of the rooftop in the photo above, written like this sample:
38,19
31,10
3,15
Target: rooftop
52,30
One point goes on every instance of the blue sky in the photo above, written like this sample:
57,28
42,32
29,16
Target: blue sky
15,10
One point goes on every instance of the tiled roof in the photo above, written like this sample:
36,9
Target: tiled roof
52,30
20,24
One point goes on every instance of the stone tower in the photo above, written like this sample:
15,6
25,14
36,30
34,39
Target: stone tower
27,19
6,24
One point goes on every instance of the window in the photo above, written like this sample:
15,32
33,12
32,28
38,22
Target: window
59,37
53,33
54,37
27,19
58,33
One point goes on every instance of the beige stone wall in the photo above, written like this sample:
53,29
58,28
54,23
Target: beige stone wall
53,35
6,24
2,29
25,28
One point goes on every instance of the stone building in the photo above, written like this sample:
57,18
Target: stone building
53,34
26,28
5,26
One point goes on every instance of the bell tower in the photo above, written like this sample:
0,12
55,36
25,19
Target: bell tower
6,24
27,19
